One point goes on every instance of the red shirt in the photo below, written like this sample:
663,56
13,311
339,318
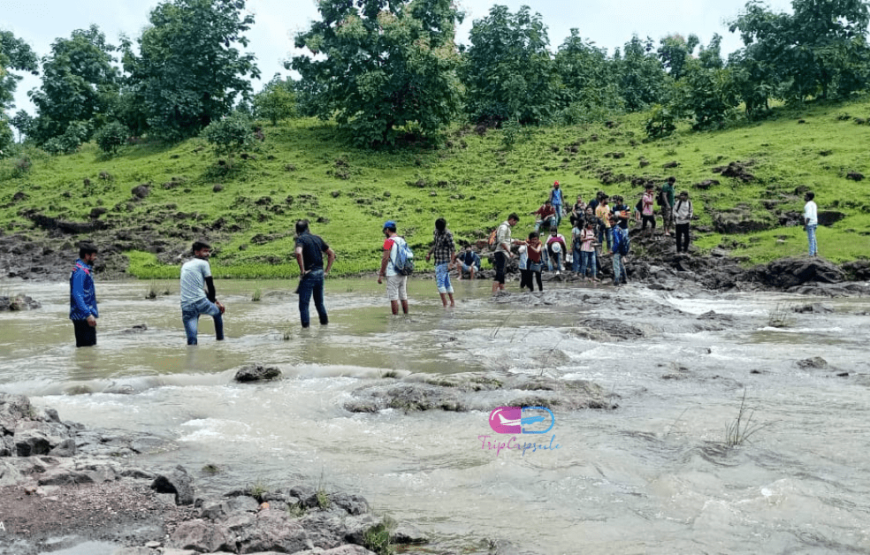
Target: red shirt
546,211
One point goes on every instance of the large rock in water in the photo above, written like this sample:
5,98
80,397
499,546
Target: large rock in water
257,372
18,302
791,272
178,482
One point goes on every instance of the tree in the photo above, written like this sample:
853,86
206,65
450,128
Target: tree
112,137
229,136
276,101
589,79
188,71
79,84
675,51
819,50
388,67
706,94
15,55
642,79
508,71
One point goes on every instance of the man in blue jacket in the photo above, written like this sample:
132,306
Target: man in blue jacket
83,298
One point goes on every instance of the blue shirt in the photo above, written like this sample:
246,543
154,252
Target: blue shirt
556,197
82,294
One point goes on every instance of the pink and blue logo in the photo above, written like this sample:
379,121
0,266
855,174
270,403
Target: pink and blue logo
521,420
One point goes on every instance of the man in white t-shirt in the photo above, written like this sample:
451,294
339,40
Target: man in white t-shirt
811,221
195,301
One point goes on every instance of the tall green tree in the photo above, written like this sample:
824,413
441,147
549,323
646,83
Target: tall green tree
587,74
15,55
276,101
189,70
508,71
79,84
675,51
388,67
818,50
642,78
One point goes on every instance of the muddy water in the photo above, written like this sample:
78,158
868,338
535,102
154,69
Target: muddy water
652,476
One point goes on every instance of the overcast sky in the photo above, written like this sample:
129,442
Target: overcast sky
608,23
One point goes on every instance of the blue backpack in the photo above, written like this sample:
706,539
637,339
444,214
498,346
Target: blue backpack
402,257
623,242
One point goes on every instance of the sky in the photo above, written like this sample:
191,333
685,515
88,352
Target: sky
608,24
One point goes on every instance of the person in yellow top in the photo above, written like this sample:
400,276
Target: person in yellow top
602,212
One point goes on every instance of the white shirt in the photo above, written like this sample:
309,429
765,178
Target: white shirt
193,274
811,213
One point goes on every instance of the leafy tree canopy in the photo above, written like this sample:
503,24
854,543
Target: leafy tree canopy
382,67
188,71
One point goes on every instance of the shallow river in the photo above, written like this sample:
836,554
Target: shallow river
652,476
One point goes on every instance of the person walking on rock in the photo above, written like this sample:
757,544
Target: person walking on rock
309,256
811,221
444,250
647,212
556,199
397,284
683,213
195,301
536,262
667,204
587,251
83,298
502,254
620,250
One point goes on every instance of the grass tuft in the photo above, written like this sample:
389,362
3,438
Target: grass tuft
779,316
742,428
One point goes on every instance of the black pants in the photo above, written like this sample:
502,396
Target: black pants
538,279
86,335
526,280
682,237
500,259
648,220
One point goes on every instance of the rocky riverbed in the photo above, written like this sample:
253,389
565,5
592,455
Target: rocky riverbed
62,484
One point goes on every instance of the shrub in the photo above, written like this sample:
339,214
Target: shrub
230,135
661,123
112,137
76,133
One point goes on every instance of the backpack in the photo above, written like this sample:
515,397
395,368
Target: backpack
659,198
403,259
624,241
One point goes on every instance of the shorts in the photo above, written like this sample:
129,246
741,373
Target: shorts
397,288
667,214
442,278
500,261
648,219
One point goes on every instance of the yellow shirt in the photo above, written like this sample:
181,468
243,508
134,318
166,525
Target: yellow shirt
603,213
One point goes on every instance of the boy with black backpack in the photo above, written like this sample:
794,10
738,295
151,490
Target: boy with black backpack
621,246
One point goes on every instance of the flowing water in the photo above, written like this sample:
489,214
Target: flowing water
652,476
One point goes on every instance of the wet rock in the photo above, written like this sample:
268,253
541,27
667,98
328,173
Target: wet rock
257,372
242,503
17,303
12,409
66,448
136,551
214,509
713,315
814,308
178,482
791,272
38,438
408,534
858,269
137,473
348,549
812,363
613,328
9,474
352,504
202,537
272,531
138,328
411,398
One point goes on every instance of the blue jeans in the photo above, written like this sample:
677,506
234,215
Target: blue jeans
619,269
578,255
811,237
550,222
442,278
312,282
555,259
605,234
558,208
588,261
190,314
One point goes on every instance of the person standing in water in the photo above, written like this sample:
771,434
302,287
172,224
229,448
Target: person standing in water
83,298
195,301
309,256
444,250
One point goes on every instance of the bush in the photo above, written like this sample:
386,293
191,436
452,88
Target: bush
230,135
76,133
112,137
661,122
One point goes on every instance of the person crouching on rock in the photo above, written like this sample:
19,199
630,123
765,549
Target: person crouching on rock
195,278
83,298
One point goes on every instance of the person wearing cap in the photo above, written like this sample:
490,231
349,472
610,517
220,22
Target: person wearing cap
556,249
682,216
397,284
556,201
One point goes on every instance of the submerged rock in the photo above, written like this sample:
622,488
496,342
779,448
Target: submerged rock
815,362
257,372
18,302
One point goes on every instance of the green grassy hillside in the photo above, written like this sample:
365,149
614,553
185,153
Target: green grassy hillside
305,169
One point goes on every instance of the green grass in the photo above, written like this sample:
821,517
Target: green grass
308,170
